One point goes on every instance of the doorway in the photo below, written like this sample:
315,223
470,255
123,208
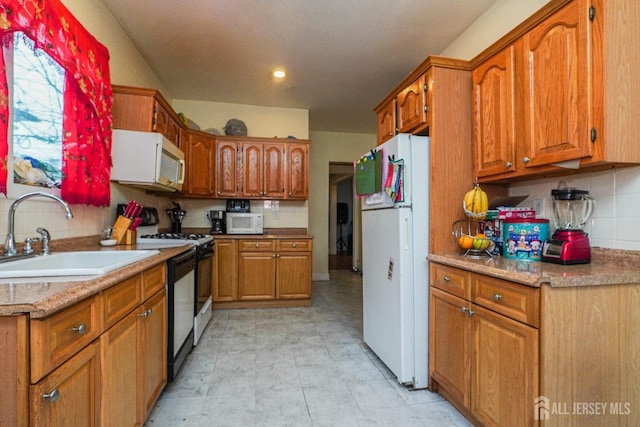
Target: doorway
341,216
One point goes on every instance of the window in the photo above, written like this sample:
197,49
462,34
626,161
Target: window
36,86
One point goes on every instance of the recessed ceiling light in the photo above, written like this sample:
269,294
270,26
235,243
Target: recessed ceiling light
279,74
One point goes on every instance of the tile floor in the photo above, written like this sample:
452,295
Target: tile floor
295,367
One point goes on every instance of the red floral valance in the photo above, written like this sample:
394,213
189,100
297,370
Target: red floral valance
86,142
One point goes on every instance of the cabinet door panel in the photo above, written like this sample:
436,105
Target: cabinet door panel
200,159
556,88
294,275
411,106
450,347
75,385
274,170
297,171
252,170
505,369
493,113
225,278
387,122
120,368
226,169
152,351
256,277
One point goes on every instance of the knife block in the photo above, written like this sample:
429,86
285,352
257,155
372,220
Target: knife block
120,229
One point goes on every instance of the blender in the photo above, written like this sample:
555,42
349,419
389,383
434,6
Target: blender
569,244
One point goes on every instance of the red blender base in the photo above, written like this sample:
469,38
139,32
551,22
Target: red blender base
567,247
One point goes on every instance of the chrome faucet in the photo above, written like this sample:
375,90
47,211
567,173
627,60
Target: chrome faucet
10,242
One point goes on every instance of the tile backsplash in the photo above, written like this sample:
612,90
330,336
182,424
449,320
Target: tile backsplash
615,222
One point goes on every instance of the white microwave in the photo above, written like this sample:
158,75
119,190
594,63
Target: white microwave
146,159
244,223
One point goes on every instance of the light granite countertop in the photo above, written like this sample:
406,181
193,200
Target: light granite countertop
607,267
41,297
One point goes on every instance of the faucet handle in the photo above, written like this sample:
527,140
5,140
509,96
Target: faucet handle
28,249
45,237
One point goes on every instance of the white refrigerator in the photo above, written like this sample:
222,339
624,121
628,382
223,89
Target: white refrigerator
395,239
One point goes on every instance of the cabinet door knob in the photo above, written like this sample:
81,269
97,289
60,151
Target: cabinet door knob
497,297
80,330
295,245
274,256
446,279
257,245
53,396
508,164
526,160
464,309
147,313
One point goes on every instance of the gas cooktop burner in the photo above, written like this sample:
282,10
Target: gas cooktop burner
175,236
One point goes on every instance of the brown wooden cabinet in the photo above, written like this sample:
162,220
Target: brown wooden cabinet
200,158
496,346
386,116
569,103
494,143
134,348
435,100
70,395
296,171
481,358
263,170
262,272
145,110
225,270
411,105
227,169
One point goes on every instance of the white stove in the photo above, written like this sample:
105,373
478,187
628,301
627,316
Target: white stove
175,238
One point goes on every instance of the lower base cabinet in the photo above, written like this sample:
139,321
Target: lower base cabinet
99,362
262,272
510,355
69,396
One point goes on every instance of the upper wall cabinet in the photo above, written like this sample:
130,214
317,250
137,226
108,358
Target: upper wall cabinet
242,167
539,93
407,111
494,114
145,110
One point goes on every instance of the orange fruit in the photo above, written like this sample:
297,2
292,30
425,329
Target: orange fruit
465,242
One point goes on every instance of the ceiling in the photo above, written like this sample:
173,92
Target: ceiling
342,57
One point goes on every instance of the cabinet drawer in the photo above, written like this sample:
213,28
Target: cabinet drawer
257,245
120,299
57,338
303,245
153,280
451,279
519,302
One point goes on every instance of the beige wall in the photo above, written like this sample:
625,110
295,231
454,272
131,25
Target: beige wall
501,18
264,122
328,147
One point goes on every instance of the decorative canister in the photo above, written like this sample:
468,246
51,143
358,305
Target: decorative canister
523,238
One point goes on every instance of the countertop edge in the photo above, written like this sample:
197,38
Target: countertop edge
608,267
74,291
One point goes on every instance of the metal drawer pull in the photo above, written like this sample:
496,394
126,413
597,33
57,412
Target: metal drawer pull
467,311
147,313
80,330
446,279
257,245
53,396
295,245
497,297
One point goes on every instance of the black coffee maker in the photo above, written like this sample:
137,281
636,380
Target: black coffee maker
176,215
217,219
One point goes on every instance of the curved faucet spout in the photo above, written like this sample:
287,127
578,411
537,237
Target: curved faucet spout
10,242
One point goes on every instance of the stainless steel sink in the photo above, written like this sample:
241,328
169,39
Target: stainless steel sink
80,263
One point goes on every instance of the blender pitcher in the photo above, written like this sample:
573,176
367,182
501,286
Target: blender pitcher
569,244
571,208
